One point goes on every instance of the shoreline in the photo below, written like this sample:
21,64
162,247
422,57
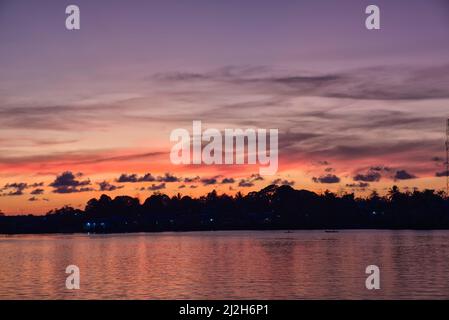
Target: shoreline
287,231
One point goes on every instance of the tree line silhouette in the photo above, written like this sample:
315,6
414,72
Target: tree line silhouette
274,207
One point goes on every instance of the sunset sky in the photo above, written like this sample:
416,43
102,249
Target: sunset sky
89,112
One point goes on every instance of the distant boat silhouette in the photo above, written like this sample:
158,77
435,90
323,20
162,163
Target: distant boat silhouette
331,231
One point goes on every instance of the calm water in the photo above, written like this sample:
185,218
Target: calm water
227,265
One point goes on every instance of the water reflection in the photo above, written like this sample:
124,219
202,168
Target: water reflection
227,265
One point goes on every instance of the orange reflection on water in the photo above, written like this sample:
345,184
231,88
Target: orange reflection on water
227,265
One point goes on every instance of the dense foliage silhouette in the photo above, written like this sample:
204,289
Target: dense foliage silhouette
274,207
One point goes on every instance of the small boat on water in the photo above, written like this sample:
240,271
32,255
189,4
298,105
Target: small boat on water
331,231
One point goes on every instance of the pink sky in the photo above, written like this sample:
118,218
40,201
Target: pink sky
356,110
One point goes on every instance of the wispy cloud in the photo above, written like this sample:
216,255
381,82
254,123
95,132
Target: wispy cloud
369,83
